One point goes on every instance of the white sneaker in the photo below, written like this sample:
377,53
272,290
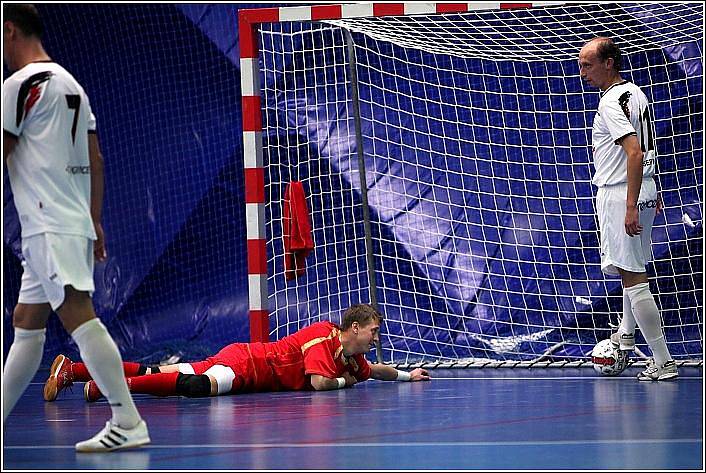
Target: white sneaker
113,437
659,373
625,341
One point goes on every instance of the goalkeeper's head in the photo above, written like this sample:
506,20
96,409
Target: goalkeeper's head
360,329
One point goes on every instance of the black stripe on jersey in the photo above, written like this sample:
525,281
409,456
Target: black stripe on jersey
619,140
26,86
623,101
92,132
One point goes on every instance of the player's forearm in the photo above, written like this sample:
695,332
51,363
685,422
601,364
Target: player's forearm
322,383
387,373
97,179
634,178
634,170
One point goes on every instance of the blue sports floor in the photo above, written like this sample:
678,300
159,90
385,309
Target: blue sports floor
473,419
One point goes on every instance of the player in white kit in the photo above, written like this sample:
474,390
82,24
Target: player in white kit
627,199
55,169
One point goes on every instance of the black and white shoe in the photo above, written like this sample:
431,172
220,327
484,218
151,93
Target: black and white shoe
113,437
655,372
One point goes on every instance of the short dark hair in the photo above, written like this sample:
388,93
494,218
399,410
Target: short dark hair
607,49
25,16
361,313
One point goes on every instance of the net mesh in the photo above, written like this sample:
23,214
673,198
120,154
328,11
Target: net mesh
475,139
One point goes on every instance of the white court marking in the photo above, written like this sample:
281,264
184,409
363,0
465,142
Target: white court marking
386,444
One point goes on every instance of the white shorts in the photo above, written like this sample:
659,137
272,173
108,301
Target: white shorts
51,262
618,249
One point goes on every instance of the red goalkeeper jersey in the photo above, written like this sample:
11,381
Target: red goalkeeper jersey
288,364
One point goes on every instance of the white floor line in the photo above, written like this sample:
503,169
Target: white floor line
515,378
390,444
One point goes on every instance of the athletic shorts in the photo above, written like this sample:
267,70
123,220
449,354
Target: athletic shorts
249,363
235,356
618,249
51,262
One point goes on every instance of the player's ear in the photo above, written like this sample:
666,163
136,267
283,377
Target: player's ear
8,28
355,326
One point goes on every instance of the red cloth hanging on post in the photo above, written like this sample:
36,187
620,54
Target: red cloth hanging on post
298,241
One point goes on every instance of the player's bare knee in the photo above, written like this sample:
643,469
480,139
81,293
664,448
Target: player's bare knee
76,309
21,316
31,316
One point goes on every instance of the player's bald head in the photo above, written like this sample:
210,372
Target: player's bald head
604,48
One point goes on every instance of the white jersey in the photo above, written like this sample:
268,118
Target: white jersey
622,111
49,169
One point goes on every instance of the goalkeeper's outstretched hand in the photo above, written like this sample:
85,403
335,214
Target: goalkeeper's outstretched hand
419,374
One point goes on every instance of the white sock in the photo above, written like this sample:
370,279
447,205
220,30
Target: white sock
101,356
648,319
21,365
627,323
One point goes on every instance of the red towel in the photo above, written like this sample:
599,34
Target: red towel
298,241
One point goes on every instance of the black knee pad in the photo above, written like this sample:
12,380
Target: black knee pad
193,385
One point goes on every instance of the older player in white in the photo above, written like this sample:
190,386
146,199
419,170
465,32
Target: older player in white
627,199
55,170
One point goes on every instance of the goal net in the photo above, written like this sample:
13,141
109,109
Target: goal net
446,160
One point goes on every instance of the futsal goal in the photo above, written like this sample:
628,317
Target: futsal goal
445,154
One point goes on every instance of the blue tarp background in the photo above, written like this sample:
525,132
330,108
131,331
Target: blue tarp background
165,87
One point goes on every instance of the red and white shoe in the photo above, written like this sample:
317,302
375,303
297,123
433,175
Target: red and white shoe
91,392
60,376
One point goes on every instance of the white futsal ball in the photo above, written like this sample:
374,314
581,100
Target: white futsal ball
608,359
